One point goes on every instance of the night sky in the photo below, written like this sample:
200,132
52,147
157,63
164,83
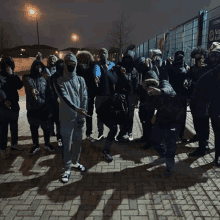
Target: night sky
91,19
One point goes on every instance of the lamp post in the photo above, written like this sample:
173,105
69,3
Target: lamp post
32,12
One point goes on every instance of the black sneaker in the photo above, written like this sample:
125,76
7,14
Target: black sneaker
49,147
183,139
142,139
100,137
124,138
197,153
107,156
34,149
195,138
147,146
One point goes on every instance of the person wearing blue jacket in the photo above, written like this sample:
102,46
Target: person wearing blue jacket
72,92
102,71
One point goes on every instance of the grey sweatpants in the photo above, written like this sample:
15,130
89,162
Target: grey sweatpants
72,142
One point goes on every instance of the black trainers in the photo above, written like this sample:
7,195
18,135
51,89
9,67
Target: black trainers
147,146
142,139
197,153
34,149
183,139
195,138
107,156
49,147
124,138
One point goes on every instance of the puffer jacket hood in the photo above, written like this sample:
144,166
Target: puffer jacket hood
35,63
9,61
71,57
51,56
85,54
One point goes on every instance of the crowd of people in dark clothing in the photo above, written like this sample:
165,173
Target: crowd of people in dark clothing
65,92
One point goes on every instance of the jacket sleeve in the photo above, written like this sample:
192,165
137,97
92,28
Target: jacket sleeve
166,89
96,71
2,95
135,81
28,87
16,81
84,94
62,92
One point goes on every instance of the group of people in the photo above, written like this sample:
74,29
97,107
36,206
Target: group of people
66,91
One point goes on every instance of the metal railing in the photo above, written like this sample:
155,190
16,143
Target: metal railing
185,37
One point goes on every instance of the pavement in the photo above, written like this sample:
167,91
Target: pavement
126,189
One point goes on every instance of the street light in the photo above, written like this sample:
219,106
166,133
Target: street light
34,13
75,38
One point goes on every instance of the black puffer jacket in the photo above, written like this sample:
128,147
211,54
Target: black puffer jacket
33,81
168,105
10,84
205,98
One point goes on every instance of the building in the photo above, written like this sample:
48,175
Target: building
26,51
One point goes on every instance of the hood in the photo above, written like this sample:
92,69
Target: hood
51,56
151,75
85,54
215,47
35,63
9,61
155,52
72,57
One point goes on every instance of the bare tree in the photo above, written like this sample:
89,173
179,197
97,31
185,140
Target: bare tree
120,32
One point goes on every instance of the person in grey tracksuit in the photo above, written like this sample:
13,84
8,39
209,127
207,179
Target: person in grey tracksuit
72,92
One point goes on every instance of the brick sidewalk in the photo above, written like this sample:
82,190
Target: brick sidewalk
126,189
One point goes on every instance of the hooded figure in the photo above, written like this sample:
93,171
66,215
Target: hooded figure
169,118
51,64
10,83
38,101
205,102
132,77
196,72
105,79
178,76
85,69
72,92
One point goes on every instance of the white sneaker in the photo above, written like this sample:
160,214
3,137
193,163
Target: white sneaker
66,176
17,147
60,144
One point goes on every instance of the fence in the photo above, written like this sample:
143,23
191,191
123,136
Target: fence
185,37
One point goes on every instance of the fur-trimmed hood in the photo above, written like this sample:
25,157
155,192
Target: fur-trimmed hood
85,54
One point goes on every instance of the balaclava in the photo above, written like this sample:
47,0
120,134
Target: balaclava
179,57
128,63
37,72
104,57
214,53
158,62
70,70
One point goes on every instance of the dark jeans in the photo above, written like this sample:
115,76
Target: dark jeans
8,117
89,119
216,129
36,119
184,104
146,115
170,134
55,119
127,126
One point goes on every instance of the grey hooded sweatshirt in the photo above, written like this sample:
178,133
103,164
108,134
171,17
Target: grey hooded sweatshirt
72,92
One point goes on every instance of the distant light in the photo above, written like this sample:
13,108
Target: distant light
32,11
21,54
56,52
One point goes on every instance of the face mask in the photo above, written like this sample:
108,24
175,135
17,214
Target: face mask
52,64
70,68
197,60
178,58
158,62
